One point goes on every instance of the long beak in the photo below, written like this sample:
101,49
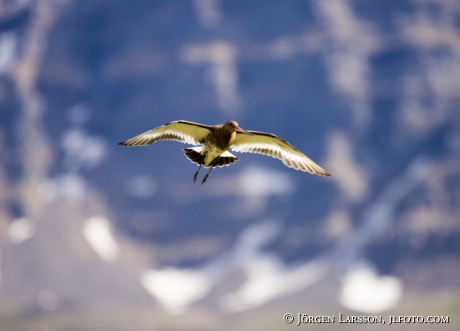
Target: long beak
240,130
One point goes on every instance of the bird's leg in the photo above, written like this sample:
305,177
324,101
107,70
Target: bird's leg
196,174
206,177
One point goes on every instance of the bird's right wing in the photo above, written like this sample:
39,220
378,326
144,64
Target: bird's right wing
181,131
274,146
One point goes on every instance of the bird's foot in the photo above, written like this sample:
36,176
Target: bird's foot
196,174
205,178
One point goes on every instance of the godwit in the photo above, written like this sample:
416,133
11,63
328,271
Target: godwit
216,140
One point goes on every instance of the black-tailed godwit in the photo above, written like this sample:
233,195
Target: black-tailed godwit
215,141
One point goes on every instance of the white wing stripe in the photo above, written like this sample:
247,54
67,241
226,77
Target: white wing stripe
181,131
290,158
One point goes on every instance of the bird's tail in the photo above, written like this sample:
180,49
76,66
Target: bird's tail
194,155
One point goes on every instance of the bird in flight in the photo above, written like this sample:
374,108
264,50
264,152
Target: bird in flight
215,141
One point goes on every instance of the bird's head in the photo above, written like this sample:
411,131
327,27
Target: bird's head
234,127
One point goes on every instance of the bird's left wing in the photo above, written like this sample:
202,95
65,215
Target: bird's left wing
182,131
271,145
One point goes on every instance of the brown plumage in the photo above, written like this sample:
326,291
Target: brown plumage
216,140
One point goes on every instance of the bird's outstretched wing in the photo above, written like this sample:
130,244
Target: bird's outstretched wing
182,131
271,145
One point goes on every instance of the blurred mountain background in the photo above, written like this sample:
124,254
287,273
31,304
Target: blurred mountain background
98,237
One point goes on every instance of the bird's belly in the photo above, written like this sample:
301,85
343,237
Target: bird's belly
211,152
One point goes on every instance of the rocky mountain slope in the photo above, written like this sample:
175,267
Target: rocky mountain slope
99,237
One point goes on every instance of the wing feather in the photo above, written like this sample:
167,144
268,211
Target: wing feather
274,146
182,131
